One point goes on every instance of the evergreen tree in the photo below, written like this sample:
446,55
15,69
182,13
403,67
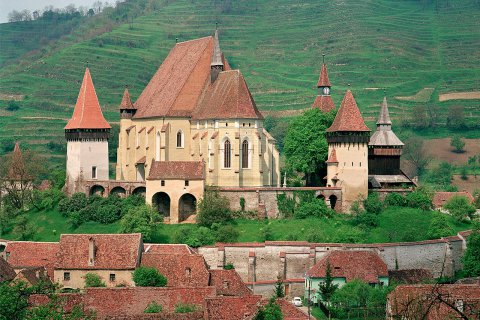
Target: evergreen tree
279,289
327,288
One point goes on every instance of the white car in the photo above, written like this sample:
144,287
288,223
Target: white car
297,301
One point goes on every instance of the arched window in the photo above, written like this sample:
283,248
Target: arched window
179,139
157,147
245,153
227,154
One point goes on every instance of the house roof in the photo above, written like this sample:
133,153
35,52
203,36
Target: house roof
323,79
384,136
177,85
87,113
348,117
351,264
410,276
228,283
6,271
226,98
126,101
181,170
167,248
32,275
333,157
440,198
112,251
181,270
25,254
324,103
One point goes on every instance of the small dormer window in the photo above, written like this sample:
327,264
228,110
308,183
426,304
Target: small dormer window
188,272
225,284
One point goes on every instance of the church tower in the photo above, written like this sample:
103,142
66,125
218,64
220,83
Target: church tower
347,165
324,101
87,134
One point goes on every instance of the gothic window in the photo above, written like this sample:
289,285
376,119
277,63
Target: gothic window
157,147
179,139
245,154
227,154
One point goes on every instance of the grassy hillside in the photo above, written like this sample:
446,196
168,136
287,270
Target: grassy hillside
404,46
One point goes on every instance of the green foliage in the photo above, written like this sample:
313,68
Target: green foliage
271,311
457,143
227,234
194,236
13,105
314,208
142,219
460,208
47,199
456,117
69,205
57,147
93,280
286,205
266,233
148,277
242,203
440,176
439,227
327,288
279,289
471,258
23,229
395,199
373,204
153,307
213,208
420,198
306,147
13,300
229,266
185,308
366,220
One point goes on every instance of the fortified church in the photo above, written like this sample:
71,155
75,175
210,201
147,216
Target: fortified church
196,124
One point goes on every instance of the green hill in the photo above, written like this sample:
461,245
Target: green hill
403,46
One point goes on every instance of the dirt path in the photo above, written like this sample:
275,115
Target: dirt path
459,96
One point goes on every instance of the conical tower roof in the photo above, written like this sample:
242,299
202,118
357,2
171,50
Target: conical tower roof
348,118
384,118
217,52
384,136
323,79
126,101
87,113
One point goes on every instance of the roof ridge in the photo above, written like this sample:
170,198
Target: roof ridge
348,118
191,40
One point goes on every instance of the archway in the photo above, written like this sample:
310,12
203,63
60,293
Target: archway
333,201
161,201
321,197
119,191
97,190
187,205
141,191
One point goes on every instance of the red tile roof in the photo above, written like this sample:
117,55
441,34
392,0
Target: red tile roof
25,254
333,157
410,276
112,251
351,264
181,170
228,97
324,103
6,271
167,248
231,308
348,117
126,101
290,312
33,275
87,113
181,270
177,85
228,283
440,198
323,79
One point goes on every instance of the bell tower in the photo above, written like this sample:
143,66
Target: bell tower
87,134
324,101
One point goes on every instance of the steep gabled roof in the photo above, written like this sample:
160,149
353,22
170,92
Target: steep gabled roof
227,98
324,103
228,283
26,254
323,79
333,157
87,113
181,170
348,118
126,101
384,118
175,88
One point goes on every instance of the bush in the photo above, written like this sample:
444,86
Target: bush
420,199
439,227
93,280
367,220
229,266
148,277
107,214
47,199
185,307
457,143
395,199
373,204
271,311
267,233
13,105
153,307
460,208
286,205
194,236
313,208
76,202
471,258
227,234
213,208
142,219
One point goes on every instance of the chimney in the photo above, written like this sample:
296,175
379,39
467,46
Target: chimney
91,251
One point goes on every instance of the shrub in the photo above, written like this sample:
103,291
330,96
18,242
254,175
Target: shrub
271,311
439,227
229,266
185,307
194,236
148,277
286,205
242,203
47,199
13,105
366,219
373,204
471,258
76,202
227,234
314,208
395,199
142,219
107,213
460,208
457,143
420,199
93,280
266,233
153,307
213,208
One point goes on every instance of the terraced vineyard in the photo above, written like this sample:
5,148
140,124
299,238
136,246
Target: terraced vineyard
403,46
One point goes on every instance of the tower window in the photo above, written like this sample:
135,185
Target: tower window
179,139
162,183
352,163
66,276
94,172
112,277
245,154
187,183
227,154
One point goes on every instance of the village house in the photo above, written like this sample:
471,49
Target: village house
345,266
440,198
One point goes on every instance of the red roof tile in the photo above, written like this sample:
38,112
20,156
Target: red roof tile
112,251
177,85
410,276
323,79
167,248
25,254
126,101
440,198
231,308
87,113
228,97
33,275
290,312
228,283
333,157
6,271
324,103
351,264
181,170
348,117
181,270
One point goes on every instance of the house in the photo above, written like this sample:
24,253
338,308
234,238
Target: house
111,256
228,283
33,276
345,266
29,254
434,301
441,198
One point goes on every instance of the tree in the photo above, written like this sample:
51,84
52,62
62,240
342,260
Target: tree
456,117
93,280
271,311
439,227
213,208
148,277
419,117
415,152
279,289
142,219
306,147
460,208
327,288
471,258
457,143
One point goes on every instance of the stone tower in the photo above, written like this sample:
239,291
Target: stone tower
127,111
347,165
324,101
87,134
